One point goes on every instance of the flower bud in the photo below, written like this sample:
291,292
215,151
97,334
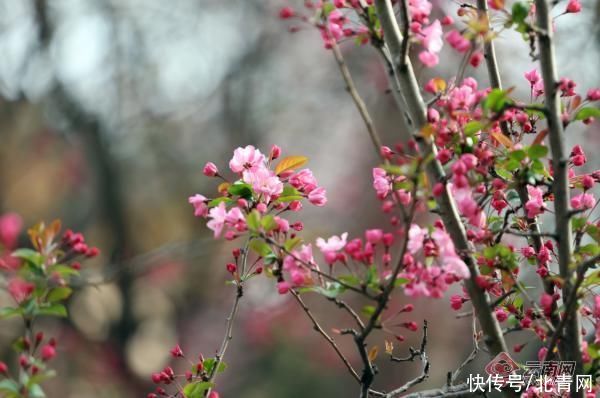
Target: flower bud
210,169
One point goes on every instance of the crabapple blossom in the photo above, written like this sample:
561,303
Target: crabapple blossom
247,158
535,205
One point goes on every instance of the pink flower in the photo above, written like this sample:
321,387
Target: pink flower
501,315
374,236
578,156
20,289
210,169
380,182
248,158
583,201
532,76
593,94
416,236
574,6
199,203
217,217
429,59
283,287
235,218
546,302
456,266
452,263
538,88
275,152
286,12
458,41
304,180
264,181
535,204
528,252
468,207
419,10
10,226
318,196
456,302
597,307
48,352
432,37
333,244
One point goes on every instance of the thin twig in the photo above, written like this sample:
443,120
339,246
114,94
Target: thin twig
323,333
424,373
358,101
229,324
471,356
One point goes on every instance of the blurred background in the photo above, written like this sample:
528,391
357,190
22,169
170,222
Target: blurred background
108,111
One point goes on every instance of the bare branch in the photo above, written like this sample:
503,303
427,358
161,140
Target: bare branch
323,333
424,373
471,356
358,101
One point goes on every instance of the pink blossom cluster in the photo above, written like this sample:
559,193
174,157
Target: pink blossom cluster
257,186
444,266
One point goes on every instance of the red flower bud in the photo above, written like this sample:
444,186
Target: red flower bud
210,169
48,352
176,352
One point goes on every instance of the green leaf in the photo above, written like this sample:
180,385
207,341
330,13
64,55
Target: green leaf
59,294
289,190
331,291
268,223
260,247
368,310
290,198
58,310
473,127
517,155
496,100
292,243
253,220
349,279
591,249
29,255
585,113
197,389
519,12
372,277
9,312
401,281
217,201
9,386
537,151
35,391
241,189
578,222
63,270
592,279
512,165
